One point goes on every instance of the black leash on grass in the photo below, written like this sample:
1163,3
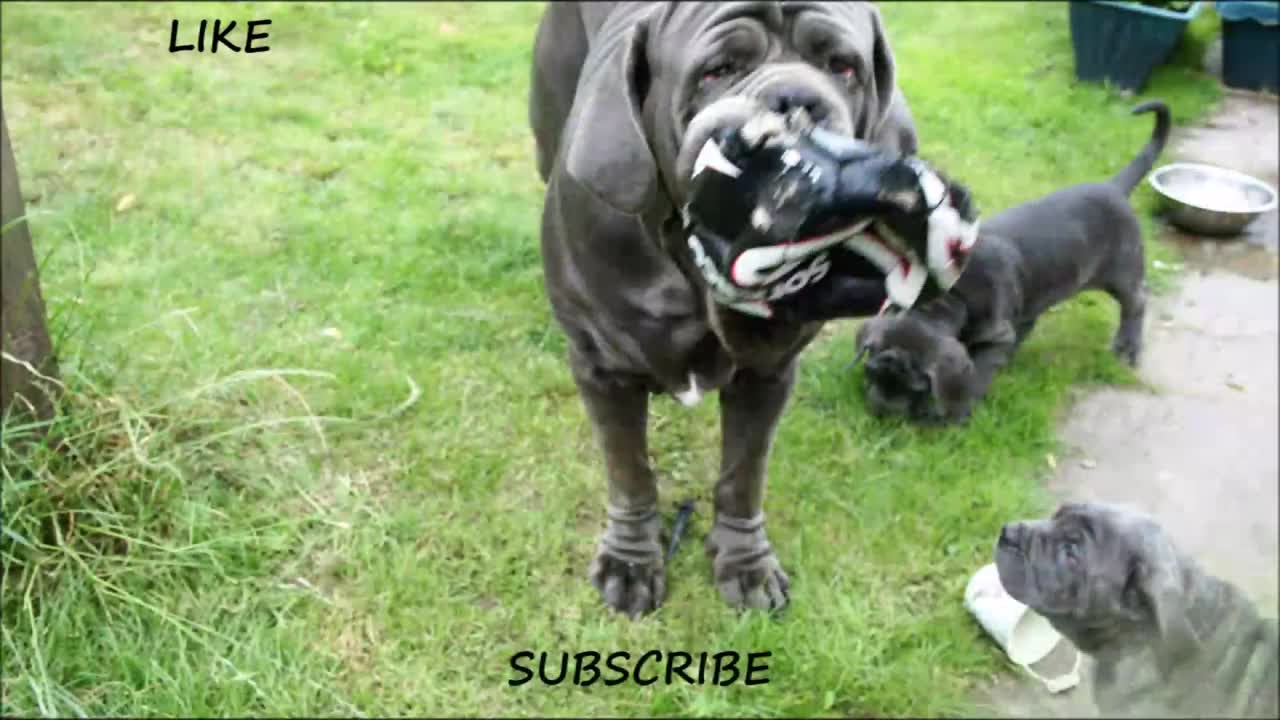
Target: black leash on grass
679,526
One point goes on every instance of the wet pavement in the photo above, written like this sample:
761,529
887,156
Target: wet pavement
1199,449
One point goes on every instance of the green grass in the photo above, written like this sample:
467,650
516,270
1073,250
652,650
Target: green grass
319,452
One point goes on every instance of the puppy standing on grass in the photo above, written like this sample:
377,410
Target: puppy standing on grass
934,362
1168,638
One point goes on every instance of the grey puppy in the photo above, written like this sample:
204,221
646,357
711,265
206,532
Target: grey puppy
934,362
623,96
1168,638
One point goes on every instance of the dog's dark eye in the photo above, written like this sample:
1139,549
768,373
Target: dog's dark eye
1071,551
716,71
842,68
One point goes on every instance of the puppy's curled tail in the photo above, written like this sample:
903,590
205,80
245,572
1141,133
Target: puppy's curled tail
1128,178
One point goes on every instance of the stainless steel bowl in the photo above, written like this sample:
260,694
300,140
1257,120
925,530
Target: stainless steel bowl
1210,200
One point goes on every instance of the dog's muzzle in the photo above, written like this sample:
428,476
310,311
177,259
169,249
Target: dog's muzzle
895,374
785,88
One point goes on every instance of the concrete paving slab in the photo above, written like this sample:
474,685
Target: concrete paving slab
1199,450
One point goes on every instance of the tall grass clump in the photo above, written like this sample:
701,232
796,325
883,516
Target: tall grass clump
155,535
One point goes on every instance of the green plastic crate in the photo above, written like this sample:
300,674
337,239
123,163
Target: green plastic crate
1124,42
1250,44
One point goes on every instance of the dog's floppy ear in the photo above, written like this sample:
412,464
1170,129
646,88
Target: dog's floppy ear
608,151
869,335
951,375
1157,586
860,346
883,80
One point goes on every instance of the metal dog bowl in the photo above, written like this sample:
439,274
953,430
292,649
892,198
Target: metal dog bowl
1209,200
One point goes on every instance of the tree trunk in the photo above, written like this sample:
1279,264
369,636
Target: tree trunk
24,333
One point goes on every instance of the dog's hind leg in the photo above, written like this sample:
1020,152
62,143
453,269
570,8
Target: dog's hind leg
747,572
1127,343
628,567
1124,278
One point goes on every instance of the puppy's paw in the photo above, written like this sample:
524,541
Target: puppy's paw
932,414
934,419
1127,349
746,570
628,569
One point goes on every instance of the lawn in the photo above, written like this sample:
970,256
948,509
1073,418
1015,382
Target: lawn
319,452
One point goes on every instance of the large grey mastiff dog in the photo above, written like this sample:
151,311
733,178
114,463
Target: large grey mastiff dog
1169,639
623,96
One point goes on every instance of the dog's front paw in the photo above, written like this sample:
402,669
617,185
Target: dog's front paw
931,419
746,570
1127,349
935,417
628,569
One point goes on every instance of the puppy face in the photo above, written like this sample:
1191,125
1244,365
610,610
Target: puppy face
1107,578
896,384
913,370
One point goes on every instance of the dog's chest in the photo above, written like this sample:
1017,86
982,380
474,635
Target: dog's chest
730,341
705,343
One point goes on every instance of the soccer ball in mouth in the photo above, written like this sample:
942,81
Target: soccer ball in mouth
774,211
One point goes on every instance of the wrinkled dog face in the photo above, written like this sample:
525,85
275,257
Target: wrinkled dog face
896,384
830,60
1107,578
667,76
911,370
895,381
